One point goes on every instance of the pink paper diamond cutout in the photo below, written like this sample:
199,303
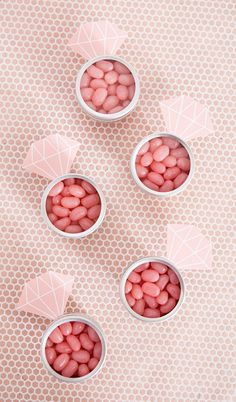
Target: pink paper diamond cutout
51,157
46,295
188,248
186,118
97,38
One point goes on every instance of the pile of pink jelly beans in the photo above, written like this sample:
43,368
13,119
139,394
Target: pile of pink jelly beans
152,290
73,349
107,86
73,205
162,164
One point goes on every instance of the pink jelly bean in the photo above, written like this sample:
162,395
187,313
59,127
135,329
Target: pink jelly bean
144,148
93,335
66,328
56,336
52,217
122,92
171,143
88,187
87,93
97,351
150,185
158,167
82,356
77,191
99,96
69,182
150,275
49,343
128,287
184,164
57,189
104,65
162,281
77,327
111,77
95,72
96,83
150,301
166,308
141,171
110,102
86,223
94,212
111,90
63,347
142,267
136,291
150,289
155,143
160,268
70,202
116,109
70,369
73,342
85,80
134,277
179,152
151,313
91,105
49,204
61,361
93,363
50,355
162,298
173,277
156,178
126,79
90,200
173,290
167,186
171,173
161,153
146,159
180,179
169,161
57,199
78,213
121,68
126,103
131,92
130,300
60,211
65,192
61,224
83,370
139,306
73,229
86,342
102,111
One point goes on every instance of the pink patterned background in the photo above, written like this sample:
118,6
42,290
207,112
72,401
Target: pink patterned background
178,47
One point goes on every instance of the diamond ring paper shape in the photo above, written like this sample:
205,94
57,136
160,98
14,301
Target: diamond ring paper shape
51,157
46,295
186,117
188,248
97,39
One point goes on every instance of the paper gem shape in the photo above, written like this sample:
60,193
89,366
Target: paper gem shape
188,248
46,295
97,39
51,157
186,118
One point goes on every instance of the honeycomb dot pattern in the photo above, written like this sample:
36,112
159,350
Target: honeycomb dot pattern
177,47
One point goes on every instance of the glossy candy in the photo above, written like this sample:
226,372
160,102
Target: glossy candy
107,86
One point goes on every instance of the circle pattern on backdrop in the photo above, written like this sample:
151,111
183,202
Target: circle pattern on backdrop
177,48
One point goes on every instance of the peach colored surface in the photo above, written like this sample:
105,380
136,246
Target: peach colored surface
177,47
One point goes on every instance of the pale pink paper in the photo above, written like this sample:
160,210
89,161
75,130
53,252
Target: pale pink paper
186,117
46,295
97,38
51,157
188,248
